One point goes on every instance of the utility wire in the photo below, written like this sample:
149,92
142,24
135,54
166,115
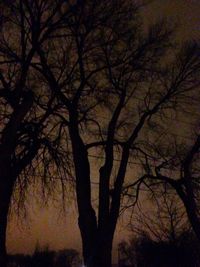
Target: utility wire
175,134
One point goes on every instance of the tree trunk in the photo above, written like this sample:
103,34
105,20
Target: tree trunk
104,253
88,229
96,237
191,209
101,253
192,216
87,217
6,188
3,225
5,198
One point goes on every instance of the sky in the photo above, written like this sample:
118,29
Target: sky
186,13
50,225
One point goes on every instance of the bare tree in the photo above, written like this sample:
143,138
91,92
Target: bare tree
25,105
177,169
173,160
143,251
110,78
181,173
160,235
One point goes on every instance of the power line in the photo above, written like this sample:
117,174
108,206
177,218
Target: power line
184,122
117,160
175,134
129,162
167,117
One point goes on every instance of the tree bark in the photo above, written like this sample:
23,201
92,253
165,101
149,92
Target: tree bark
191,209
104,253
193,218
87,217
88,229
101,254
6,189
97,237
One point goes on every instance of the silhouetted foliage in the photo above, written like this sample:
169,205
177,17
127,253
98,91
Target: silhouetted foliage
165,218
19,260
162,237
145,252
46,258
67,258
43,257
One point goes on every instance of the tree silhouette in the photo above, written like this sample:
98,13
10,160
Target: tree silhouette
25,106
164,220
103,78
172,162
143,251
161,238
111,78
67,258
43,257
20,260
178,171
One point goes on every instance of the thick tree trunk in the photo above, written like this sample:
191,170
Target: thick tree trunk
106,256
88,229
191,209
96,237
6,188
87,216
104,253
194,220
101,252
3,225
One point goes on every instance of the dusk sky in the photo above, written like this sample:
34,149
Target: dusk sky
186,13
48,225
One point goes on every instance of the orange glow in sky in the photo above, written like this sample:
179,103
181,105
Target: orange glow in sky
47,225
